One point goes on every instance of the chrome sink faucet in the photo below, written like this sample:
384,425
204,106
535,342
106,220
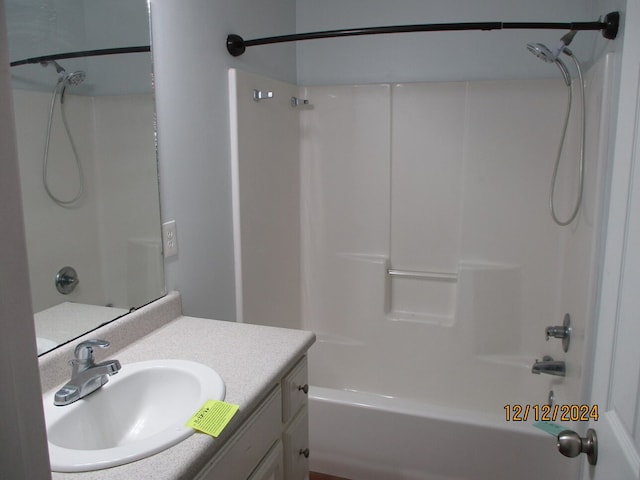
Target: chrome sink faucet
549,366
86,375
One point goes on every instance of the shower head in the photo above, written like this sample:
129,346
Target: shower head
542,52
73,78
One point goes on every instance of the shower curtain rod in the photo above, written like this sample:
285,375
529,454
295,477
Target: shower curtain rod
236,45
80,54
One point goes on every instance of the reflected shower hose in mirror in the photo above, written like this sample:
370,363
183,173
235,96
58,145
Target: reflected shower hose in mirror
64,80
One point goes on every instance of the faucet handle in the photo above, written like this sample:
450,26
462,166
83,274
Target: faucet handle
561,331
84,350
556,332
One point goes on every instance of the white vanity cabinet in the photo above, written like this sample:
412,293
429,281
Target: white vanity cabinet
295,438
272,465
273,443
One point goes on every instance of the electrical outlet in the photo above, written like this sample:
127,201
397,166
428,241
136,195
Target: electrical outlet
169,239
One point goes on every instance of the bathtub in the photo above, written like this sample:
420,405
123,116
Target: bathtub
364,436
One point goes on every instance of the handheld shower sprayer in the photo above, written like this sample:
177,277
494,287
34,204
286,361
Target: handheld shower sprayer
542,52
64,80
553,56
73,78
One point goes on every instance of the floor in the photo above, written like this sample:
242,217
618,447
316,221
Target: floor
323,476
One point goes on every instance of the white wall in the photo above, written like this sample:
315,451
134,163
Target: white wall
433,56
190,63
24,447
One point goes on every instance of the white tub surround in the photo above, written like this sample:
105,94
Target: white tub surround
251,359
427,244
429,264
266,196
424,231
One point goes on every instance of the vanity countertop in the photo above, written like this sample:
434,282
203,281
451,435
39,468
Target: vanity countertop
250,358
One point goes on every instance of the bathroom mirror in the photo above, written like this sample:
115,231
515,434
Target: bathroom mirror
87,152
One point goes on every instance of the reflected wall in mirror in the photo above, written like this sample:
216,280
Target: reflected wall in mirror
87,152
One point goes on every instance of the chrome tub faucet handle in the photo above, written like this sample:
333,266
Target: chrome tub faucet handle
560,331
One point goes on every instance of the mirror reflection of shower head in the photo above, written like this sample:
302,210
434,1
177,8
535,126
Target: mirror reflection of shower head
73,78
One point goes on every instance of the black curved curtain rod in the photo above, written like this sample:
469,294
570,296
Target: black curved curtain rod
236,45
80,54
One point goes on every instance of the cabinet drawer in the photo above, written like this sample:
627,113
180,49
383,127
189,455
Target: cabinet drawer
244,450
295,387
296,447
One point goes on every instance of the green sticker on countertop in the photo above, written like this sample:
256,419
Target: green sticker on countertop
213,417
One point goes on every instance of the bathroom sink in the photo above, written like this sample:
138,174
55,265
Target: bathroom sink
141,411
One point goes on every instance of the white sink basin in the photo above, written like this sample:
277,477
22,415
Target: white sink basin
142,410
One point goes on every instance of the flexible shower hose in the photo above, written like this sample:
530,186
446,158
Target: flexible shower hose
45,160
576,207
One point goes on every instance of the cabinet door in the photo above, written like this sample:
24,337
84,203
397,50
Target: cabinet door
272,465
296,447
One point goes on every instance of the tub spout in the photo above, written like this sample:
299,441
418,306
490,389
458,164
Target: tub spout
549,366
